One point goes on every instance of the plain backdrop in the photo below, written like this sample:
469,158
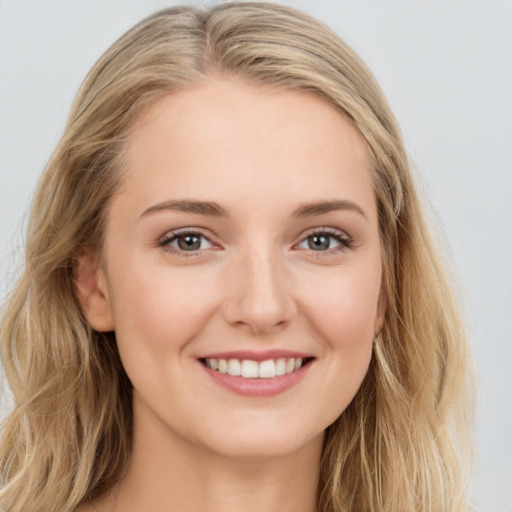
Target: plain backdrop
446,67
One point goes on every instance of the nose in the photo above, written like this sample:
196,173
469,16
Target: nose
258,293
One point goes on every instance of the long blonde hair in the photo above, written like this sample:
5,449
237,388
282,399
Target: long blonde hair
401,445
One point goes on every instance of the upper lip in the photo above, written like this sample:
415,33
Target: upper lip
261,355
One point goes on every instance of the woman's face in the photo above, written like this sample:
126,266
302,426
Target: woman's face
244,238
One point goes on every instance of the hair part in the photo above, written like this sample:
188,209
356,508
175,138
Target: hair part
400,444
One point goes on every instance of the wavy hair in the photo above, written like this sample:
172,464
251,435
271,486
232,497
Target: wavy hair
401,445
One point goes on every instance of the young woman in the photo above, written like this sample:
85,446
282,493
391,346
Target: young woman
231,300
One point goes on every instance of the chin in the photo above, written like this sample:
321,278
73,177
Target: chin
256,442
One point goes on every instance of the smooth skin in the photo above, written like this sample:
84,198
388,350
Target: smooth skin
261,269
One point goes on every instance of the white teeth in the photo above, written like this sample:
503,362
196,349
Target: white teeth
281,366
267,369
234,367
250,369
223,366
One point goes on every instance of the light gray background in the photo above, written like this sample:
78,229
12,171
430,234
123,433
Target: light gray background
446,67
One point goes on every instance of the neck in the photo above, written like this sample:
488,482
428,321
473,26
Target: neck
168,473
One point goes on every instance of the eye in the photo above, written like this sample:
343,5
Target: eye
325,240
185,241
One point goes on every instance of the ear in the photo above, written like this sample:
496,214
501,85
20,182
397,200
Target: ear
382,305
92,292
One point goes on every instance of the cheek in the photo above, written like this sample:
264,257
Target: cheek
342,313
157,308
344,309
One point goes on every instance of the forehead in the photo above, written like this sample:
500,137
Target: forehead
221,138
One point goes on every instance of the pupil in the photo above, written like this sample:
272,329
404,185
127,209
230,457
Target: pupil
318,242
189,242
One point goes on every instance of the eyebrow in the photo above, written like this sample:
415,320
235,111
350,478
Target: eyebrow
322,207
207,208
212,209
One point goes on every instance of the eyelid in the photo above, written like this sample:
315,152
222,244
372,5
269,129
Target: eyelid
345,241
171,235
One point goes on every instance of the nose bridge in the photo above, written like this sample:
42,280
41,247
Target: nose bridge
259,291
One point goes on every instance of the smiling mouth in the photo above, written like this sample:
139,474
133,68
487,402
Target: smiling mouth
250,369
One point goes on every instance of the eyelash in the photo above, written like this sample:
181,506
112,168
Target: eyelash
168,238
344,241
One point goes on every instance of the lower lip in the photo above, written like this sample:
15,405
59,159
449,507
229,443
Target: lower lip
258,387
